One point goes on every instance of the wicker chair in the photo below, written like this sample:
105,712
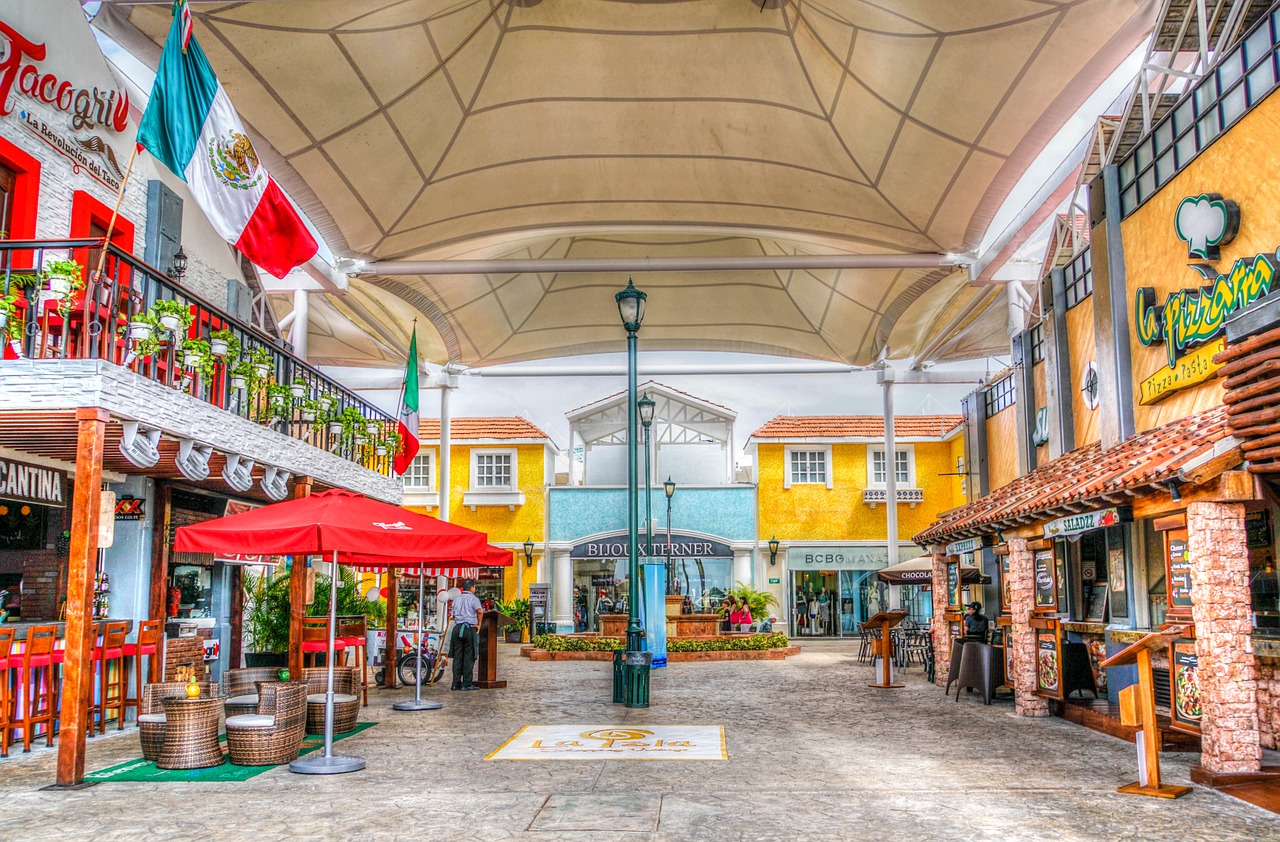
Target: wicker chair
346,704
274,734
151,720
242,688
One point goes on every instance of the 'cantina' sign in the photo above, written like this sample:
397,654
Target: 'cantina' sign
32,484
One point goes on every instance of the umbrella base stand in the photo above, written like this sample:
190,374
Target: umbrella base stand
334,764
417,704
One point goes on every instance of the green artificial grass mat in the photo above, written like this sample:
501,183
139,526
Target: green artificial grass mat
146,770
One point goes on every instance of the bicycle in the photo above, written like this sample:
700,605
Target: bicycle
433,657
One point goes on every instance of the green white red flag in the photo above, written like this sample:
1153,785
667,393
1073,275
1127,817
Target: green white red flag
408,415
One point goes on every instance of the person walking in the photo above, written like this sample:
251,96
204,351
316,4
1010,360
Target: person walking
462,644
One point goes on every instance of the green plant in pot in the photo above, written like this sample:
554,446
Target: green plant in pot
279,402
244,375
309,411
353,425
196,357
518,610
298,388
261,360
224,343
174,316
389,443
266,617
62,278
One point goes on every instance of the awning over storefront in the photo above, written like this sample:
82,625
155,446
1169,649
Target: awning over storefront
919,571
1090,477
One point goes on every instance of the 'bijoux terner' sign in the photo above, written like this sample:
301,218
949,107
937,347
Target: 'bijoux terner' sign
1085,521
682,546
32,483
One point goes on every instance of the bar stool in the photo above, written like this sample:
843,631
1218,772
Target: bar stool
315,640
353,634
150,639
112,679
37,682
6,703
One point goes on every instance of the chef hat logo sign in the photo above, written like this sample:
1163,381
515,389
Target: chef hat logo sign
1206,222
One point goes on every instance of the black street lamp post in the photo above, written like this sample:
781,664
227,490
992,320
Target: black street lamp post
645,407
669,488
631,303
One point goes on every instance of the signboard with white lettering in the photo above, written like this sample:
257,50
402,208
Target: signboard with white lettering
32,484
682,546
1084,522
837,558
968,545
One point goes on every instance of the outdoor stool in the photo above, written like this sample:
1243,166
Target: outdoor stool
107,659
315,640
37,682
352,633
981,670
148,645
346,704
6,703
953,671
273,734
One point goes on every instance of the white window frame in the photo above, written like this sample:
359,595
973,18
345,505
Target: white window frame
874,450
824,449
494,495
429,456
423,495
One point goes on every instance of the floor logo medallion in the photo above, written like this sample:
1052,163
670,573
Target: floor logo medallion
614,742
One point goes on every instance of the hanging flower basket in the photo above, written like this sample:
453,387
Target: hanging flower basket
170,323
297,390
58,286
308,415
373,428
237,382
218,347
263,369
381,450
335,428
325,403
140,331
191,359
16,345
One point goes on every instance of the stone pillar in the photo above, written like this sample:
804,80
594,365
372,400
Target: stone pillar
562,591
941,635
1228,673
1022,602
742,567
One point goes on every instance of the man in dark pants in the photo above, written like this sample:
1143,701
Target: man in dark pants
462,645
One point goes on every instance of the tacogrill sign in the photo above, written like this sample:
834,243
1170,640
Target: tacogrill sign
32,484
88,108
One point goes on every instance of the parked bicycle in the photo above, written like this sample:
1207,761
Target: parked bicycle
434,659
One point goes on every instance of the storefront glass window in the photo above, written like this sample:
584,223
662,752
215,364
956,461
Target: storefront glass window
190,591
1264,582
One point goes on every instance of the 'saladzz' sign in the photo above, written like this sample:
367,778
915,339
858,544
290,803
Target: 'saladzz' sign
32,484
682,546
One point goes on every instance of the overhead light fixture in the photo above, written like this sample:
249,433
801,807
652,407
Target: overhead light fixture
528,552
1174,492
193,459
238,472
275,483
178,269
140,445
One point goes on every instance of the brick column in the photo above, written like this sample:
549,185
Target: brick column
941,637
1022,602
1227,669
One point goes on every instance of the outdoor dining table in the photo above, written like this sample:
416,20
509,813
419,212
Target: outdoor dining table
191,733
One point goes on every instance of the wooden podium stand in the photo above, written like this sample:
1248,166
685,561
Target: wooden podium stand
1138,707
883,648
490,623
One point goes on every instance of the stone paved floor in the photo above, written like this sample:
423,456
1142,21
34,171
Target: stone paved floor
814,754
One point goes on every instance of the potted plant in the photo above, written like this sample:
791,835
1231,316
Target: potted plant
141,327
390,443
13,332
262,361
372,428
197,358
172,315
311,411
353,424
518,610
279,402
61,277
266,618
223,343
298,387
325,402
243,371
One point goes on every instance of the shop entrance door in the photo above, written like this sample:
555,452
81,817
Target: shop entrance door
833,603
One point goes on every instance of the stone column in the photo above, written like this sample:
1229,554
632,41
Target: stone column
562,591
1022,602
742,567
941,636
1228,671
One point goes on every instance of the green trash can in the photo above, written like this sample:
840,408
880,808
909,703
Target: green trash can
618,698
636,675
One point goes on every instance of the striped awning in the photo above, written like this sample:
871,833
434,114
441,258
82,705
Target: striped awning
429,570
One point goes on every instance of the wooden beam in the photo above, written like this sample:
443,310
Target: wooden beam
1228,487
393,624
1214,467
298,592
77,669
158,609
235,623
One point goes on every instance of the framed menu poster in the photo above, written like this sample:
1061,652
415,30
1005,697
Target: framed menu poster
953,584
1184,686
1178,570
1048,664
1006,586
1046,574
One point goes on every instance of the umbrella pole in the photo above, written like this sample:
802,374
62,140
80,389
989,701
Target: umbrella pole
327,763
417,703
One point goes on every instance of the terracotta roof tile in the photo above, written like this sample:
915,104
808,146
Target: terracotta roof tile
1084,475
464,429
856,426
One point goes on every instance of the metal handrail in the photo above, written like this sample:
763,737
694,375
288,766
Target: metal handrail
95,325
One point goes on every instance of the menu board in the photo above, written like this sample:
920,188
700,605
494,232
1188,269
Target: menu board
1179,573
1048,664
1184,686
1006,586
1096,603
953,583
1008,658
1046,581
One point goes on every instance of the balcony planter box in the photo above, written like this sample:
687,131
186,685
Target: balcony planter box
140,331
218,347
237,382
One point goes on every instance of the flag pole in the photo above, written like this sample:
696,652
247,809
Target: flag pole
115,212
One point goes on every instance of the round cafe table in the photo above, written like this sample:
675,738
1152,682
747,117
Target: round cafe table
191,733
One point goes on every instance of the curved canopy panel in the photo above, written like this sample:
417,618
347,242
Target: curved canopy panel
434,129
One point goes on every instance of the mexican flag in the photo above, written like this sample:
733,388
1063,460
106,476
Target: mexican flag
191,128
408,416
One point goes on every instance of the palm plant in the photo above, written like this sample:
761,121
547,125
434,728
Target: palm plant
760,602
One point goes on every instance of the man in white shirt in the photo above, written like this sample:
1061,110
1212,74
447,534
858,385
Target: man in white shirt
462,644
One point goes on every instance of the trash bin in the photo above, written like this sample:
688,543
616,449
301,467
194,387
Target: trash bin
636,675
618,698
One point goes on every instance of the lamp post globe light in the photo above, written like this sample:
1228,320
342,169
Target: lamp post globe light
528,552
773,551
631,303
645,407
669,488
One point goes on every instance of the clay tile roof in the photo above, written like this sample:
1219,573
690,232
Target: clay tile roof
856,426
1085,475
463,429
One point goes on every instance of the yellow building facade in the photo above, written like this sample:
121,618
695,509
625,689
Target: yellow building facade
821,493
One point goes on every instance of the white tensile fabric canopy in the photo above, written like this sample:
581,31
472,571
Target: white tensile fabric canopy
480,129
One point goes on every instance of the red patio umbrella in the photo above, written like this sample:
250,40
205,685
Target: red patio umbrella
332,523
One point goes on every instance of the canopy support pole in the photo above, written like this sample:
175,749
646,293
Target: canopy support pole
328,763
418,703
890,469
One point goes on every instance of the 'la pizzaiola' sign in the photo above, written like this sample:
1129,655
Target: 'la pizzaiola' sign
1191,317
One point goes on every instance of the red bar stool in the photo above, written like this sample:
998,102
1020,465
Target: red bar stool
148,645
315,640
108,660
6,703
352,631
37,681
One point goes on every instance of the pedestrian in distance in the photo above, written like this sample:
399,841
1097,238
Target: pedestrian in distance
462,644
